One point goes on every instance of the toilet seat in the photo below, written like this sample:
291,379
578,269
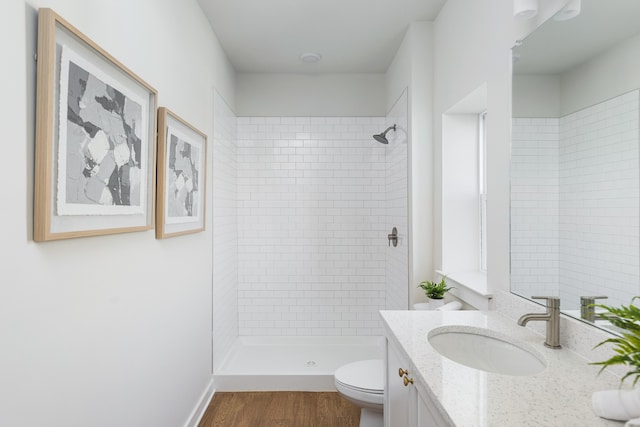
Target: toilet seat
362,380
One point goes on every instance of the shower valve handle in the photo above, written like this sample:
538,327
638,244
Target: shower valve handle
393,237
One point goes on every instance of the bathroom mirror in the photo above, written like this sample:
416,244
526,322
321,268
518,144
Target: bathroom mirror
575,159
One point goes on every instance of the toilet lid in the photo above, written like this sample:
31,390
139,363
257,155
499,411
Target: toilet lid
365,375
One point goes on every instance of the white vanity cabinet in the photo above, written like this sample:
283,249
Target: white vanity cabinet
406,403
400,406
447,393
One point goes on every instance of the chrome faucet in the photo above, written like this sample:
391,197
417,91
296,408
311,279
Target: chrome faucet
588,309
552,317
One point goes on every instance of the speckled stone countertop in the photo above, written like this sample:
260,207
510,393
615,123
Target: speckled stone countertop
558,396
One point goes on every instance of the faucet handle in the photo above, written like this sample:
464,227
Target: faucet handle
552,302
588,300
588,309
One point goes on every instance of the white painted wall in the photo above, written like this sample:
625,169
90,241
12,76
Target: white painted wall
105,331
536,96
225,229
610,74
398,77
412,69
472,46
315,95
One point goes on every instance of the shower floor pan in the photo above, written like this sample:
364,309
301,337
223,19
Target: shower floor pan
291,363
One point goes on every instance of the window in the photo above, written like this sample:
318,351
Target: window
464,189
464,193
482,187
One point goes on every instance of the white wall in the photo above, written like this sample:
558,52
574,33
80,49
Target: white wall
225,229
412,70
472,46
311,95
105,331
612,73
536,95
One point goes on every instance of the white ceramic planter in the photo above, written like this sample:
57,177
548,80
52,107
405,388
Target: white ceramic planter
432,304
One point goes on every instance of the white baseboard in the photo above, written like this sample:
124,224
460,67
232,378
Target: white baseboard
201,407
276,382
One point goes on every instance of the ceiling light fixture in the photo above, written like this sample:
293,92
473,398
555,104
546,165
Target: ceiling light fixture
310,57
525,9
571,10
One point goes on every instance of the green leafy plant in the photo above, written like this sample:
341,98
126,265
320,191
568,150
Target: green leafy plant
627,346
435,290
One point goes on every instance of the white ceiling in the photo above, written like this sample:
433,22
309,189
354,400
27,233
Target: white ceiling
353,36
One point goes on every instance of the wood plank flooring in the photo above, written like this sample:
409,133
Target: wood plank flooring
280,409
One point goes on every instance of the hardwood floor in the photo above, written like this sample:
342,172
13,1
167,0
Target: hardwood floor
280,409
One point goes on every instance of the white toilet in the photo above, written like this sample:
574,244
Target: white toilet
362,383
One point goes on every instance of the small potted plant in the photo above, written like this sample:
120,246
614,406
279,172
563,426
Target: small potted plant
435,294
616,404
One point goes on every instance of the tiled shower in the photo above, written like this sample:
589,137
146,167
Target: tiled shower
302,209
575,202
311,228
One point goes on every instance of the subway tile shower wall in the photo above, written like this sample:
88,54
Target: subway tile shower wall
534,206
311,226
575,197
599,195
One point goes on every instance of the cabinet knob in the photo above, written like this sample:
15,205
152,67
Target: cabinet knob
402,372
407,381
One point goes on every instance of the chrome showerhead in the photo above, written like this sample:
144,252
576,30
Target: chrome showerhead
382,137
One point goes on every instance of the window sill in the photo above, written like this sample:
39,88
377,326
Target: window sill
470,287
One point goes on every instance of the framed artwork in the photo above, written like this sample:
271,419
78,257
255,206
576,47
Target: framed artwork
95,139
182,163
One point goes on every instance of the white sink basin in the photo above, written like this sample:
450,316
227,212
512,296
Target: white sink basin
486,350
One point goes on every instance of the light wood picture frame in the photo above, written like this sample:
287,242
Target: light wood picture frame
95,139
182,177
